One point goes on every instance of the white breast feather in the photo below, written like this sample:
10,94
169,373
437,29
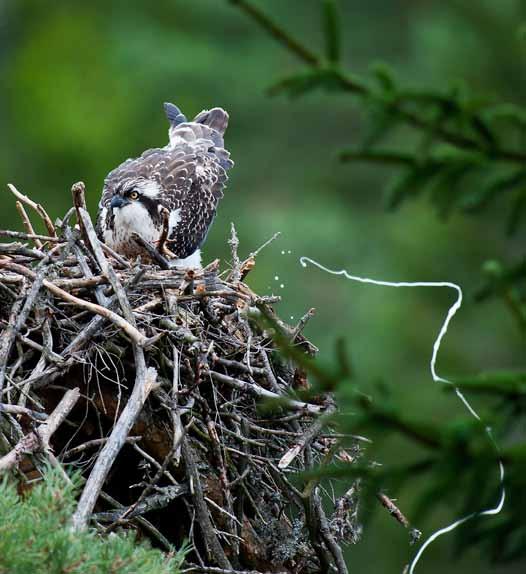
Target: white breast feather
192,261
130,219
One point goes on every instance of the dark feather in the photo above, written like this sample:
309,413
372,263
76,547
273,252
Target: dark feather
174,114
191,173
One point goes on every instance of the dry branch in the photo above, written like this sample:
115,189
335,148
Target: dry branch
39,439
129,329
173,367
36,206
144,384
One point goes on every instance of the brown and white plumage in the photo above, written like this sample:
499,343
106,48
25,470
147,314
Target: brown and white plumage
187,178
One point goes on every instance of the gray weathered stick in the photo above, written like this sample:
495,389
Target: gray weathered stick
128,328
235,273
306,438
262,393
214,548
36,206
26,222
39,439
145,381
19,315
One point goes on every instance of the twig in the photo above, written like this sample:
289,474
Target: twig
19,410
161,470
278,33
19,316
145,381
176,416
30,235
214,549
154,463
120,260
255,253
194,569
105,267
143,522
161,499
39,439
153,252
235,273
302,323
327,536
129,329
27,224
79,202
260,392
398,515
36,206
96,442
308,436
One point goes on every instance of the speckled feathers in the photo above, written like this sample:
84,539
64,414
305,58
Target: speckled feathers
187,177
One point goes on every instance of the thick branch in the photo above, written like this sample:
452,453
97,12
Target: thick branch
145,381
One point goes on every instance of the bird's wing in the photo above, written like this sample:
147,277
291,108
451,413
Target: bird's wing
191,179
204,178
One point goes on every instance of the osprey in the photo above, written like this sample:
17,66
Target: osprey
171,191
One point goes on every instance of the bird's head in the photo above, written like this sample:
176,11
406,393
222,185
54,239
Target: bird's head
124,199
136,207
135,191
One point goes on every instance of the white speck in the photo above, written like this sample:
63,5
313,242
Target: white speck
292,317
282,285
276,278
283,252
289,251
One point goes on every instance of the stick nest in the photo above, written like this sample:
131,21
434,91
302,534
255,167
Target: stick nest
150,383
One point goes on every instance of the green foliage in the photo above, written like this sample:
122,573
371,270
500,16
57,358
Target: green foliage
458,135
332,34
83,88
467,154
34,537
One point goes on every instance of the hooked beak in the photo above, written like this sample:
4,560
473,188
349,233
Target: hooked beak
117,201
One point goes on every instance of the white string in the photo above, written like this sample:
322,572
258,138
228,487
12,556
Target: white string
436,347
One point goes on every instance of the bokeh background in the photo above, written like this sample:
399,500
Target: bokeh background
82,90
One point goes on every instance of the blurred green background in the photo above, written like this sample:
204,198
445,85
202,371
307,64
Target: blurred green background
82,90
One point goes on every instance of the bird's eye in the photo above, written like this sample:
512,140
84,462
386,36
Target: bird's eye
134,195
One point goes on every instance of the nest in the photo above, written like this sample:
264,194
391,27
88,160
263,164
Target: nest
150,383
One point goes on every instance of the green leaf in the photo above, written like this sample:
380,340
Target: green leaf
508,113
35,535
410,183
380,124
500,277
384,74
299,84
332,29
484,130
480,198
517,209
501,383
445,192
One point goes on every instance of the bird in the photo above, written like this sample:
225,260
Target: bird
164,201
